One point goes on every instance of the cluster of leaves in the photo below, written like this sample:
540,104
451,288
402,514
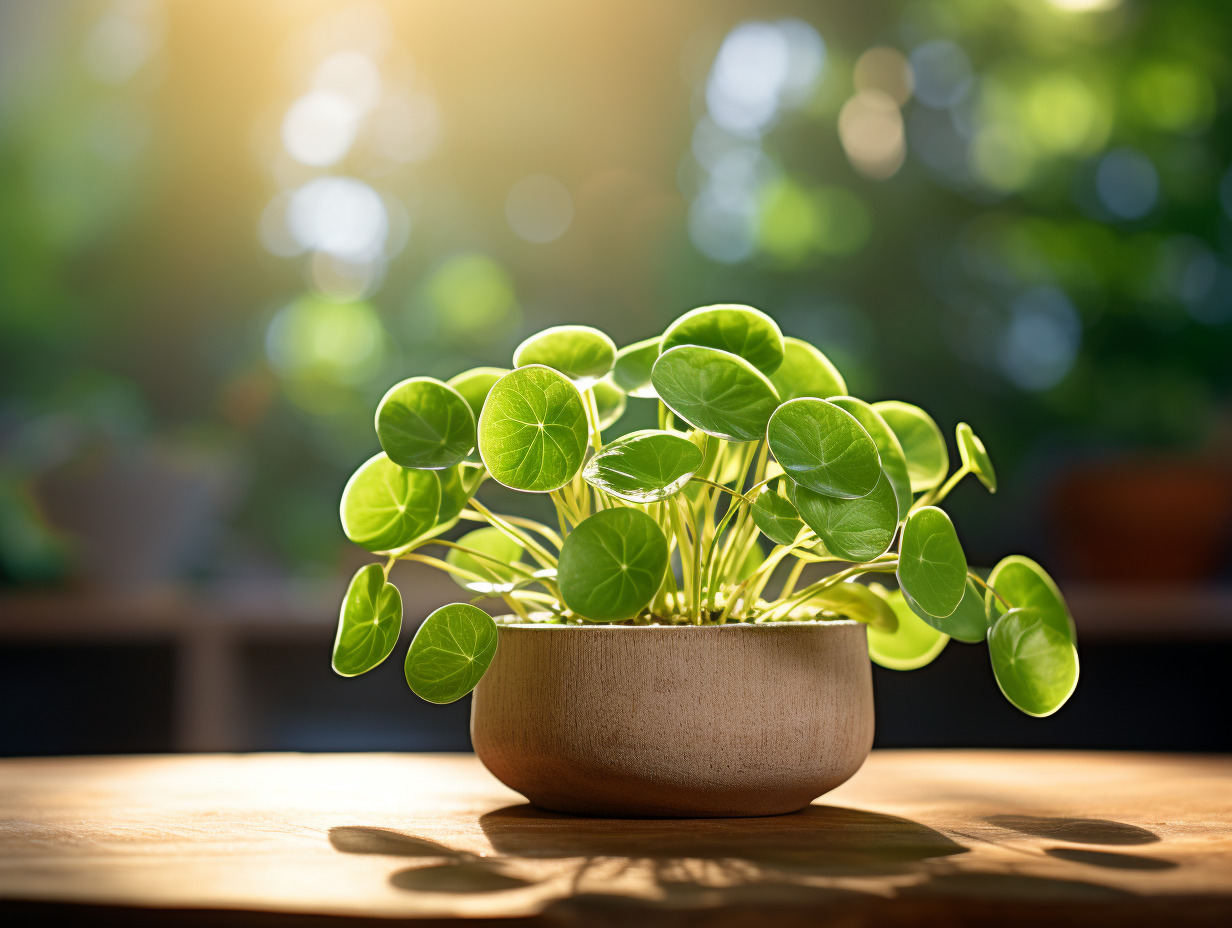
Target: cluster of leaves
757,437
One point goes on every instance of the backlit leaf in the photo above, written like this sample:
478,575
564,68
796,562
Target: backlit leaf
611,564
854,529
740,330
385,506
715,391
368,623
645,467
424,423
533,431
450,653
932,569
928,461
824,448
1035,663
581,353
805,371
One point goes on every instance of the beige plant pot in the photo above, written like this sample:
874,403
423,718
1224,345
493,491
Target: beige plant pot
675,721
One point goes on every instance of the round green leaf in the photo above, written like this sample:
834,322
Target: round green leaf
450,653
928,461
497,578
715,391
426,424
856,601
1024,584
454,495
368,623
910,646
385,506
473,385
824,448
533,432
893,461
645,467
805,371
611,565
853,529
775,515
1035,663
932,569
966,623
975,457
610,401
740,330
581,353
633,365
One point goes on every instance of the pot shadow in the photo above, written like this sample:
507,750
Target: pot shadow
819,840
1075,830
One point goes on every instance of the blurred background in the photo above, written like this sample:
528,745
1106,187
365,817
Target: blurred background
226,228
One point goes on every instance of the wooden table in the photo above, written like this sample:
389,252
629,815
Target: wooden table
917,837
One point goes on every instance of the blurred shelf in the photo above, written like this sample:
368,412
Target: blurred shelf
210,628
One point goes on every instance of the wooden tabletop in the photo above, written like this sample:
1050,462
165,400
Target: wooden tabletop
917,837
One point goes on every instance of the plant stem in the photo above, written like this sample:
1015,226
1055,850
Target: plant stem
719,486
792,579
592,419
686,560
537,551
482,555
785,605
933,497
986,585
520,522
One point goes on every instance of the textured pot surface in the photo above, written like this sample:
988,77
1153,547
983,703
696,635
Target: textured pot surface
675,721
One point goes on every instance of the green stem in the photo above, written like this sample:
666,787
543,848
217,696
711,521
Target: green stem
530,524
933,497
537,551
719,486
686,560
482,555
986,585
785,605
592,419
792,579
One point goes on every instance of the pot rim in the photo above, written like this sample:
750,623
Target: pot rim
599,626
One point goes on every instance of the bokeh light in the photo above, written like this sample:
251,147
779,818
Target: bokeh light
471,296
942,73
339,215
884,69
320,128
1041,341
1127,182
871,129
327,342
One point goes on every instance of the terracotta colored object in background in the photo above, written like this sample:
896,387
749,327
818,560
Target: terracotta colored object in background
675,721
1144,520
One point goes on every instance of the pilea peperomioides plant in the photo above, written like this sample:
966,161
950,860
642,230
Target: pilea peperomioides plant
761,459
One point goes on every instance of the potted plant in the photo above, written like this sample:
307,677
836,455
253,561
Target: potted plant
650,663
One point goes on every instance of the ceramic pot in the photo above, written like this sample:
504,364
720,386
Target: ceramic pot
675,721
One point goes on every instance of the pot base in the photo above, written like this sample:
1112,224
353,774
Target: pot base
675,721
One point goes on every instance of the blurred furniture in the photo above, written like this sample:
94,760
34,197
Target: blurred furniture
1163,520
917,837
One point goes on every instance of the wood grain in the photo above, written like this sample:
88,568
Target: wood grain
953,837
676,721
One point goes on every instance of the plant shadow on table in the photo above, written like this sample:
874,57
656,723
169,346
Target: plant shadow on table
807,857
